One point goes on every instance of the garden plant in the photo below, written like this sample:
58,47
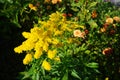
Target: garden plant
71,40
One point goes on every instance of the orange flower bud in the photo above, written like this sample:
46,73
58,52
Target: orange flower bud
94,14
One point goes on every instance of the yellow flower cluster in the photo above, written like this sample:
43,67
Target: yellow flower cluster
27,59
44,38
46,65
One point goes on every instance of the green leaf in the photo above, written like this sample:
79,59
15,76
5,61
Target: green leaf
75,9
92,65
93,24
93,4
26,75
55,78
17,24
37,76
75,74
65,77
87,51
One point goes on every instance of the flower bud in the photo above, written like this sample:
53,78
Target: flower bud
107,51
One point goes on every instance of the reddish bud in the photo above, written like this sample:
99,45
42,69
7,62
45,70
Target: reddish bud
70,15
64,14
112,32
86,31
76,1
107,51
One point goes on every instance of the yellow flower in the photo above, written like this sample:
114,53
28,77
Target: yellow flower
57,32
57,58
46,65
18,49
78,33
109,20
32,7
55,41
106,78
48,39
116,18
70,40
45,46
54,1
59,0
51,54
26,34
27,59
38,53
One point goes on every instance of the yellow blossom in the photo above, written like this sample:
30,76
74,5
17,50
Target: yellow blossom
46,65
32,7
58,32
26,34
57,58
78,33
109,20
51,54
48,39
18,49
38,53
55,41
27,59
45,46
54,1
106,78
27,45
116,18
70,40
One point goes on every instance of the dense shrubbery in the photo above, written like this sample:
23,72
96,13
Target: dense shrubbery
70,39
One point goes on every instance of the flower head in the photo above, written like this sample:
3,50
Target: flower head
56,1
78,33
109,20
46,65
32,7
116,18
51,54
27,59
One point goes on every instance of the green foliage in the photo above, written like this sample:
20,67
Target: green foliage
92,56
